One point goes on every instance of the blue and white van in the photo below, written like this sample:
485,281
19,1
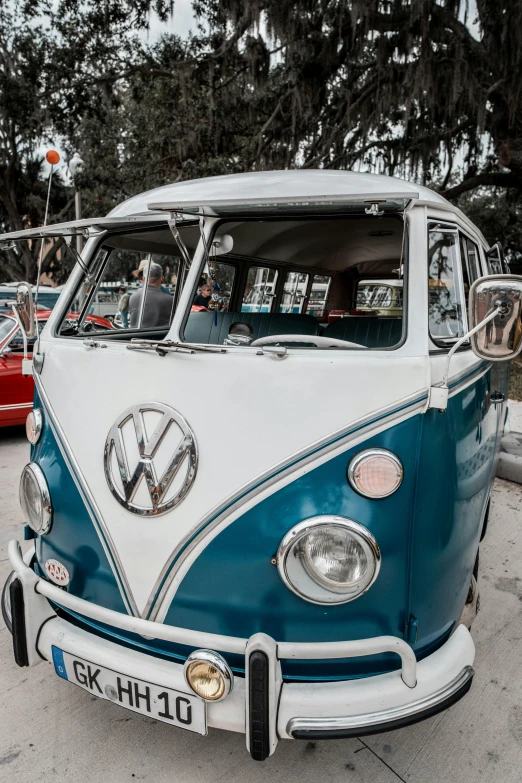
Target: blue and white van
258,520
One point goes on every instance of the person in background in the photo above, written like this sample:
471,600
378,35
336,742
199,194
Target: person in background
123,306
205,295
158,304
141,273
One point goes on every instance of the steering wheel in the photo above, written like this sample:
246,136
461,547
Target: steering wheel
320,342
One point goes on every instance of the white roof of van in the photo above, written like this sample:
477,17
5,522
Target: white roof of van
260,186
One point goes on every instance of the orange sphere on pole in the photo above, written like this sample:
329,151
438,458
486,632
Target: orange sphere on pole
52,157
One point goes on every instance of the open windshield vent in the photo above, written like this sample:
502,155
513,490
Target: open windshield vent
387,204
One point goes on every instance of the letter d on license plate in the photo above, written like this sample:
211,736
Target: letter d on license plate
180,709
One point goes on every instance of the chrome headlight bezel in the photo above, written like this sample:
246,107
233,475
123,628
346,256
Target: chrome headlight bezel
315,588
363,456
218,662
46,520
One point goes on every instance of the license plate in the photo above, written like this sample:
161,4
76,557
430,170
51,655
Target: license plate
165,704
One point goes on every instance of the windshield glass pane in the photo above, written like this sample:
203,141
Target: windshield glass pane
133,284
296,285
6,326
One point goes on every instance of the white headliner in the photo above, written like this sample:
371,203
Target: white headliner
268,185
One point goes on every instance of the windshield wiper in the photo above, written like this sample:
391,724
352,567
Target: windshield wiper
163,347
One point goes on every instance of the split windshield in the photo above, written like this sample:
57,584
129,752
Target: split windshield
292,280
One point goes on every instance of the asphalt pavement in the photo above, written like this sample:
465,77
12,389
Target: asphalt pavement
51,730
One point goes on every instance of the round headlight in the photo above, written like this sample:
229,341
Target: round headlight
375,473
33,425
209,675
35,499
328,560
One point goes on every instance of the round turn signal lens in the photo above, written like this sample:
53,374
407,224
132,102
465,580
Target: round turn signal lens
208,675
375,473
33,426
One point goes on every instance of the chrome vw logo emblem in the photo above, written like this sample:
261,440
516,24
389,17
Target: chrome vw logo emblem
150,459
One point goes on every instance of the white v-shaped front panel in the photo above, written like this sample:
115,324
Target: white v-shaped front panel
247,414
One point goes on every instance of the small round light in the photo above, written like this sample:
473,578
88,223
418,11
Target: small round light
328,560
34,425
35,499
208,675
375,473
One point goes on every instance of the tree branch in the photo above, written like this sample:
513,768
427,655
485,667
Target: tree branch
495,179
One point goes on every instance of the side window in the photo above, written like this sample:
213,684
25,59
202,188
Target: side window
318,296
473,260
215,287
495,262
259,290
470,262
446,309
294,292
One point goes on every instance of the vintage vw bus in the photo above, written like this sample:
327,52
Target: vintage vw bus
254,519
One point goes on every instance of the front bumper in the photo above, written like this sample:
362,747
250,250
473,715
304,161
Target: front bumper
292,710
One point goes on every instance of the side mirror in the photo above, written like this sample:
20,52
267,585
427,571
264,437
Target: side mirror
25,309
501,338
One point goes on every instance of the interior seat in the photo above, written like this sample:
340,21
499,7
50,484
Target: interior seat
369,331
213,328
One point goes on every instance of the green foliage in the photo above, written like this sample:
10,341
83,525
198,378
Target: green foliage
402,87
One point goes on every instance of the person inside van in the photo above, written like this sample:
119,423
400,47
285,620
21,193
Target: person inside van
158,304
205,295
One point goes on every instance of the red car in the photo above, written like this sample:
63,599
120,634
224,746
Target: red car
16,391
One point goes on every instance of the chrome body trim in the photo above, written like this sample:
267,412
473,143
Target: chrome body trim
368,454
47,509
386,716
407,406
18,406
152,630
209,656
333,595
89,501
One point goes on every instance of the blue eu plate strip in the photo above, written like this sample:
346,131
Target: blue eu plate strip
59,664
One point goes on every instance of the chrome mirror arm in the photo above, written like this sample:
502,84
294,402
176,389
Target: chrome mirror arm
466,337
438,397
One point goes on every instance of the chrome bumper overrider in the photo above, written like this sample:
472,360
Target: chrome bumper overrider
296,709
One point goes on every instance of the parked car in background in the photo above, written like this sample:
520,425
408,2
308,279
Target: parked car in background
16,390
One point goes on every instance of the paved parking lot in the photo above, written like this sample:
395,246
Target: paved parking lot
50,730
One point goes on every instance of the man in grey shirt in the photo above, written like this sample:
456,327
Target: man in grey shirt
158,305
